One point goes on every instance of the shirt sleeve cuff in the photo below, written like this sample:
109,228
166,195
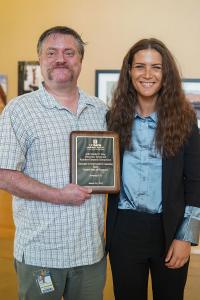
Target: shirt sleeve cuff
189,230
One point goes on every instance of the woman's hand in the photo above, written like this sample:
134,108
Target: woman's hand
178,254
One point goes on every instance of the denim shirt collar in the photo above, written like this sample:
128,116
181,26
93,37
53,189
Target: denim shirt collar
153,116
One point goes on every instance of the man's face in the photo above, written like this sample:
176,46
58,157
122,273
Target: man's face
60,60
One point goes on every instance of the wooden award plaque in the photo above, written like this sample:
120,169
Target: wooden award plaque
95,160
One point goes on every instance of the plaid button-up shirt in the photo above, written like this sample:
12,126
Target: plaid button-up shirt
34,139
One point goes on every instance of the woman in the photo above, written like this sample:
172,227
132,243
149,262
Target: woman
2,99
154,220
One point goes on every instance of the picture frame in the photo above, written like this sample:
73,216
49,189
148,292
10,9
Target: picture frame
4,83
191,87
105,83
29,76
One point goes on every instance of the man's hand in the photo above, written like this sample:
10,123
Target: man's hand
178,254
73,194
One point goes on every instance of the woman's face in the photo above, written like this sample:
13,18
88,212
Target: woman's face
146,73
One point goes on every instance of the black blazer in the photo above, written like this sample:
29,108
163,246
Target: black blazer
180,187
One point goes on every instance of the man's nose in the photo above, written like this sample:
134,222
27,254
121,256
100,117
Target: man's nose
60,57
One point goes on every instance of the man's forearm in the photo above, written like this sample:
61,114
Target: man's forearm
26,187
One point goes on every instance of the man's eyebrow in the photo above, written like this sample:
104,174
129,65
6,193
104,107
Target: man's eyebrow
55,48
51,48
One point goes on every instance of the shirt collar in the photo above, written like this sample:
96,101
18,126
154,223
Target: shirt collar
153,116
50,102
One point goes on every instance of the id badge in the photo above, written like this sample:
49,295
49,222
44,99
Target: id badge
43,280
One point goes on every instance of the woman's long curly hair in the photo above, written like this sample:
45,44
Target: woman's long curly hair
176,116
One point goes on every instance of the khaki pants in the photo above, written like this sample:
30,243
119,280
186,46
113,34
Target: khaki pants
79,283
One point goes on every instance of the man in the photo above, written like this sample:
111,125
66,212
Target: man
59,245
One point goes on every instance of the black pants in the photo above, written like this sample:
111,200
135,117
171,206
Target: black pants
137,248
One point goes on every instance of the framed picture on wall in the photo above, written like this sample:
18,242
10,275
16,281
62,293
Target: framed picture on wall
192,90
29,76
4,83
105,83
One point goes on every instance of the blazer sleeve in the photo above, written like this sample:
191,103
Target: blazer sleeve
191,170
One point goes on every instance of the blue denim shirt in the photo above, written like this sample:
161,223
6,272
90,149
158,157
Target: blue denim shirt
142,178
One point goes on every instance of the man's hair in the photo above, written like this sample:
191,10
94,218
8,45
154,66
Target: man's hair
61,30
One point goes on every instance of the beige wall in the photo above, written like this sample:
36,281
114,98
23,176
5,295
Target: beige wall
109,27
